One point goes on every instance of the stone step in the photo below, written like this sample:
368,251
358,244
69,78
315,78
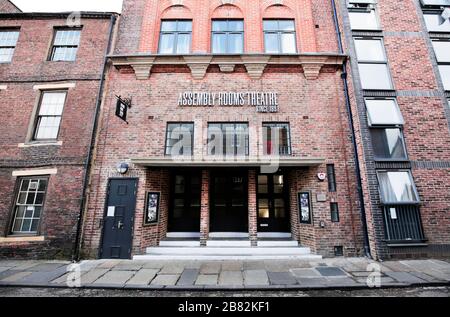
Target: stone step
179,243
229,251
278,243
153,257
228,243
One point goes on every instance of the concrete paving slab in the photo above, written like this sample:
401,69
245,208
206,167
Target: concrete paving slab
115,278
4,268
254,265
426,277
108,264
276,266
395,267
174,268
256,277
143,277
305,273
228,278
47,267
8,273
207,279
153,265
341,281
166,280
128,266
312,282
232,266
39,277
188,277
210,268
16,277
281,278
360,273
405,277
330,271
91,276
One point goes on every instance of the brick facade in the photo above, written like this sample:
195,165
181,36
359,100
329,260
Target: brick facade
7,6
423,103
23,80
310,96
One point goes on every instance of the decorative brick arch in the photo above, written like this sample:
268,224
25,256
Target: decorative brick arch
176,12
277,11
227,11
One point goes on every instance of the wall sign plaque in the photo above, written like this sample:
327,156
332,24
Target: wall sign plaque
151,214
262,101
304,206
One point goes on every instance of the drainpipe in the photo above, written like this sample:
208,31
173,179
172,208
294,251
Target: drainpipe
86,180
352,129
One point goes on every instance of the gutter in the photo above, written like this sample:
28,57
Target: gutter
352,129
78,238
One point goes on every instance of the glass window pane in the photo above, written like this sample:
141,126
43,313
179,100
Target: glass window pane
270,25
236,43
271,43
370,50
220,26
24,185
48,128
167,43
280,211
168,26
34,225
17,225
263,185
286,25
444,70
42,185
184,26
263,208
363,20
288,45
442,50
278,184
375,76
219,43
383,111
8,38
6,55
66,54
67,38
236,25
184,44
20,212
26,225
388,144
397,187
434,23
52,104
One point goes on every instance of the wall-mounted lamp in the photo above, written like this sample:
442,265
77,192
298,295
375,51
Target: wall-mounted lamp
122,168
322,224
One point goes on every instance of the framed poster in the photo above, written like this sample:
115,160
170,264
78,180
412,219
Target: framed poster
304,205
151,214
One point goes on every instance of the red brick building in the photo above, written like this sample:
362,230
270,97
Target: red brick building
399,79
51,70
242,85
7,6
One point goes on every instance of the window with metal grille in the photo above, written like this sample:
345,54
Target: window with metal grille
403,223
29,204
8,41
179,138
331,175
373,64
227,36
175,37
50,111
280,36
65,45
228,139
276,139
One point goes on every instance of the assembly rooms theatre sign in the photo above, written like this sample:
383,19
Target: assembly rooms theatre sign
262,101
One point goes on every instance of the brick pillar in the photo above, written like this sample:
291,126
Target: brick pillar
204,212
252,212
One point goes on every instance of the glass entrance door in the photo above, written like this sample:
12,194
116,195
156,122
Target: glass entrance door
273,209
184,215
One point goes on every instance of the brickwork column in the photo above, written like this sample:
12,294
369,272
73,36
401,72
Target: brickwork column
252,212
204,212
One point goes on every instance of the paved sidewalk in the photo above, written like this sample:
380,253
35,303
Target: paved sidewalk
225,275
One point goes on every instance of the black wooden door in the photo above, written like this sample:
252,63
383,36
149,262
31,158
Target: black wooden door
184,215
229,201
119,219
273,209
